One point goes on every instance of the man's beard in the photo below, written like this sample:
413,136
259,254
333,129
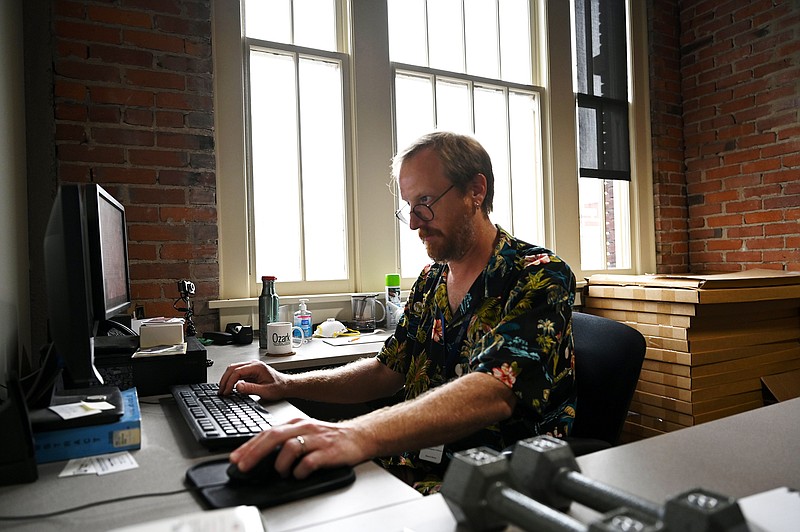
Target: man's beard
453,246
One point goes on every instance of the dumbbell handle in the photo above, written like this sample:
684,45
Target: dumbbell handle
529,513
599,496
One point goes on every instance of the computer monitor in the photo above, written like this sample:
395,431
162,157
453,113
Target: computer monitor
86,275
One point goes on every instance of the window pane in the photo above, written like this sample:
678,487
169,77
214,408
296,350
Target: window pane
315,24
601,43
491,129
407,33
414,113
527,198
605,224
588,135
515,41
276,206
592,213
446,35
480,20
269,21
479,110
323,170
414,116
453,106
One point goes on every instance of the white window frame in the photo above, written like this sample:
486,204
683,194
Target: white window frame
374,231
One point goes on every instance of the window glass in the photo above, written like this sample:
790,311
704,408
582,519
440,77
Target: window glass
601,84
297,143
469,43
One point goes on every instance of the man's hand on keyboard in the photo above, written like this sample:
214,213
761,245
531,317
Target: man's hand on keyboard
253,378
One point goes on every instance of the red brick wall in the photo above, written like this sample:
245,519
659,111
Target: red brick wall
739,108
133,104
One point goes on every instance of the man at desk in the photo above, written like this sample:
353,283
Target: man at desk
483,353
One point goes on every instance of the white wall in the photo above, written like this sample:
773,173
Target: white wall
14,284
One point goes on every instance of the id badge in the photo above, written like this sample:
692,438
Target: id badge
432,454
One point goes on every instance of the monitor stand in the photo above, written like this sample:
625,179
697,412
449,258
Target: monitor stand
44,419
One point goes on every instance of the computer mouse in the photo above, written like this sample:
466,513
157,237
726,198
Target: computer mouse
263,471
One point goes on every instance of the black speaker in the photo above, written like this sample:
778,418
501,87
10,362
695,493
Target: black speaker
17,458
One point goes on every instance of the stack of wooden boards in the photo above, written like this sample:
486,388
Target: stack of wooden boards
710,340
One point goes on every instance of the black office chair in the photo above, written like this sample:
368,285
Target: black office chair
608,359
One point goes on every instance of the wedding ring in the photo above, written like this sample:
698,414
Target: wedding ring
302,442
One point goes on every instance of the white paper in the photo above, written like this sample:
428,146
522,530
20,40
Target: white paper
73,410
97,405
102,464
238,519
775,510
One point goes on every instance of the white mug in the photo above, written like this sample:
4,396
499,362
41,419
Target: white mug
280,340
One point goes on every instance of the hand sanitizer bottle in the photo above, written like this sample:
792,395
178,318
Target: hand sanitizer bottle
302,319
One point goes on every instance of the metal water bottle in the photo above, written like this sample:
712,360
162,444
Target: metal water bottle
267,308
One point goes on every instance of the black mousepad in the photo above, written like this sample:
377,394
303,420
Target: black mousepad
218,492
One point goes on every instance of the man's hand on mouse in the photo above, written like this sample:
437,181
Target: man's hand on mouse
253,378
306,445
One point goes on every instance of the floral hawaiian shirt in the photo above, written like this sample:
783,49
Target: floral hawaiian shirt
515,323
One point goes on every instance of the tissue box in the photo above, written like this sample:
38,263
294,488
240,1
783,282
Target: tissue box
161,332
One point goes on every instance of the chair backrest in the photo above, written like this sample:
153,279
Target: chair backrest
608,359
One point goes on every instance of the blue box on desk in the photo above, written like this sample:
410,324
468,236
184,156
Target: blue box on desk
124,434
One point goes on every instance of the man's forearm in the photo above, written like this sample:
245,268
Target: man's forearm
359,381
443,415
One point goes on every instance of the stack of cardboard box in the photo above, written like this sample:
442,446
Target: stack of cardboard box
710,340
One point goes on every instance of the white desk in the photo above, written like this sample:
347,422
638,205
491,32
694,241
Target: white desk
738,456
168,450
313,354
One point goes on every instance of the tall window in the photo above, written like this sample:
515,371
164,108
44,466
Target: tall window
466,66
297,154
313,97
601,84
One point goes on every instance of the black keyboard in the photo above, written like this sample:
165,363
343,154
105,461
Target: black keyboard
219,423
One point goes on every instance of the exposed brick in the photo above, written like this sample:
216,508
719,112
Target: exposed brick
82,152
121,96
112,174
157,158
125,136
123,17
151,40
189,102
84,71
138,117
70,90
155,79
157,195
170,119
121,55
157,232
139,251
82,31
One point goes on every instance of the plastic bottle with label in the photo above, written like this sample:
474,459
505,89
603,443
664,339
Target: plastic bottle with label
302,319
268,303
394,307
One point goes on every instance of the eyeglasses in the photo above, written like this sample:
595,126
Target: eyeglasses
422,211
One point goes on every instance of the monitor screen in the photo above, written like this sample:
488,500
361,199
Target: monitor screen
108,252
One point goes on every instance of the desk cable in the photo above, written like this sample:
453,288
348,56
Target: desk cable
107,501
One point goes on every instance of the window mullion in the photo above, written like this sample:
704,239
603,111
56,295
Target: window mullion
299,177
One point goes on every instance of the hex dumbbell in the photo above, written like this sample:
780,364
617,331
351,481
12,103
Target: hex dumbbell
479,490
545,468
